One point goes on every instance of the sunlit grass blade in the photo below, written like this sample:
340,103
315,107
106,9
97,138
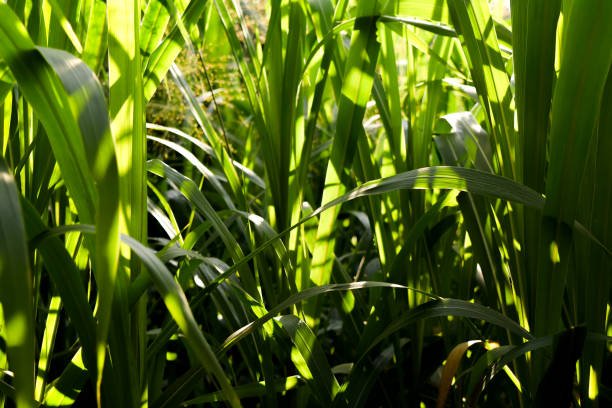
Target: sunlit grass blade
299,297
178,306
310,360
195,196
44,357
16,290
165,54
357,86
64,390
61,89
95,42
66,26
474,24
450,307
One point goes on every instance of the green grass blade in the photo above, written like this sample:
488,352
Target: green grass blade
178,306
449,307
16,290
44,357
302,296
310,360
44,91
358,81
476,30
534,25
164,55
95,41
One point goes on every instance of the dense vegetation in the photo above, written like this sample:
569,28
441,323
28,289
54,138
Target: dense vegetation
332,203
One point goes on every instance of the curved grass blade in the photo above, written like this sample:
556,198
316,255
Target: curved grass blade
305,295
443,177
178,306
176,303
189,189
447,177
251,175
476,29
164,55
70,103
310,360
450,369
16,290
450,307
44,91
258,389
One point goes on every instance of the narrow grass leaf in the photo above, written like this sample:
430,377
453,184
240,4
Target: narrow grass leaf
178,306
164,55
258,389
356,90
476,30
310,360
16,290
450,307
304,295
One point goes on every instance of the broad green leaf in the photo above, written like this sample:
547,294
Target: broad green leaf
69,102
572,132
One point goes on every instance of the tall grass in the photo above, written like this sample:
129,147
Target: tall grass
302,203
